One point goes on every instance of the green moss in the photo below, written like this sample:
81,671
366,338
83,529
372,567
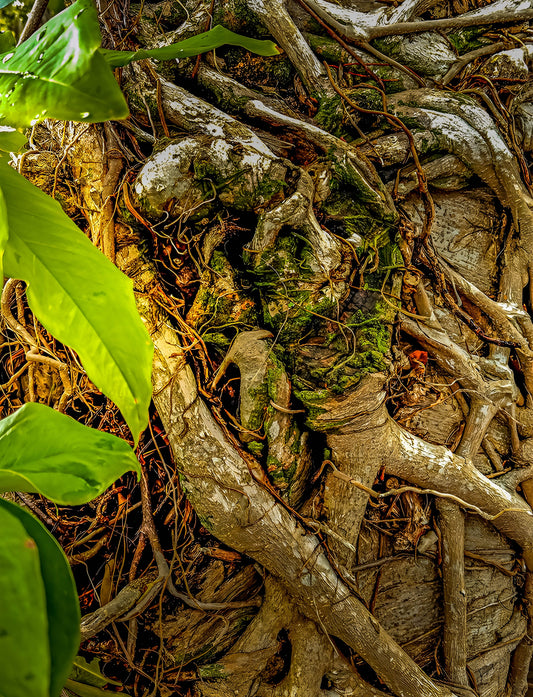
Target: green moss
275,374
220,306
364,191
235,191
356,218
328,49
313,400
261,395
359,347
256,447
277,474
226,100
285,261
260,72
366,98
390,46
256,418
217,340
329,114
219,263
291,315
288,310
213,671
237,16
138,106
267,188
467,39
331,51
206,522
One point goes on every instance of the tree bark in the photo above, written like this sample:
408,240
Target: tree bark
334,265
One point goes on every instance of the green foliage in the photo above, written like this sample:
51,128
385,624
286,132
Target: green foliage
13,17
467,39
84,301
60,73
4,231
63,460
79,296
22,612
83,690
71,464
7,39
88,673
86,679
39,613
209,40
11,140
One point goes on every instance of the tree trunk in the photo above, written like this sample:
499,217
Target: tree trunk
332,251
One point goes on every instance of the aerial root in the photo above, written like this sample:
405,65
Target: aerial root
452,528
517,684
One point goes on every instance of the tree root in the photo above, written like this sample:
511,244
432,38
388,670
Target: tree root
306,595
366,26
265,397
451,522
244,515
278,21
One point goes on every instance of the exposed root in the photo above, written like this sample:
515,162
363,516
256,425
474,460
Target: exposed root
278,21
313,246
451,522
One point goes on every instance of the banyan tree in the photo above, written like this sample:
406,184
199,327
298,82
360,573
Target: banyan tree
332,249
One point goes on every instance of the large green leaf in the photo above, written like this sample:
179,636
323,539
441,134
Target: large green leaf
79,296
59,72
49,453
11,140
209,40
62,605
4,233
24,654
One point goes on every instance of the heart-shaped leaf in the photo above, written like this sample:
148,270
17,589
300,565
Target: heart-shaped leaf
23,613
59,72
209,40
62,607
78,295
49,453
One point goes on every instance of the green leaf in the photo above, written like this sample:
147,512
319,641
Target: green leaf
24,654
7,38
59,73
45,452
79,296
62,605
209,40
11,140
82,690
4,233
89,673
